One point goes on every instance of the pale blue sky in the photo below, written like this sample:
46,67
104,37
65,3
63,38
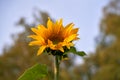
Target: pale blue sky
85,14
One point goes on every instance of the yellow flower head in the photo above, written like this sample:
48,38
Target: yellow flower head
55,36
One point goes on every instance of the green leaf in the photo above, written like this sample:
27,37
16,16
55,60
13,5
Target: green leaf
81,53
37,71
74,51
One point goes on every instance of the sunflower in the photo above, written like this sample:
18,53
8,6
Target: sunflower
55,36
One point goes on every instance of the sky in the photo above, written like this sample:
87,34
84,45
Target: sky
85,14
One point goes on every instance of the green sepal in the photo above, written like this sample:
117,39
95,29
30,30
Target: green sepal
65,57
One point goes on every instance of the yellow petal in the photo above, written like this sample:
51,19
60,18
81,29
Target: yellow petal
70,38
56,27
49,42
69,45
41,49
61,49
59,26
51,45
41,27
39,38
69,26
35,31
68,29
76,38
74,31
36,37
59,22
49,24
43,32
35,43
60,44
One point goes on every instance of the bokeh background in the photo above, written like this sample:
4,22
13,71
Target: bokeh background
99,23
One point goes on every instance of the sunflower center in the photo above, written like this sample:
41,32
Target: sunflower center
56,39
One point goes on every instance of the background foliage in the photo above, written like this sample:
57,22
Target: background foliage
103,64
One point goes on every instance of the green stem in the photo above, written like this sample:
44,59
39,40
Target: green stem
56,68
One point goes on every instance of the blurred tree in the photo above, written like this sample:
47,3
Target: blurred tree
104,64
